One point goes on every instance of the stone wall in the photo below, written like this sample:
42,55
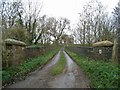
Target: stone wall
103,53
16,55
34,52
97,53
16,52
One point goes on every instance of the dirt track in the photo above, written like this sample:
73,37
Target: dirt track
72,77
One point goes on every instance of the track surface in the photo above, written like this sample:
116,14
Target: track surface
72,77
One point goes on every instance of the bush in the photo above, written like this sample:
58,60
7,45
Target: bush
18,33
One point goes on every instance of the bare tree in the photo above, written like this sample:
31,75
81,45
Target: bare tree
12,17
11,13
67,39
41,29
32,15
57,27
93,24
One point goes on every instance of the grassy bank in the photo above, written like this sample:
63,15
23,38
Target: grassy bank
11,74
60,66
101,74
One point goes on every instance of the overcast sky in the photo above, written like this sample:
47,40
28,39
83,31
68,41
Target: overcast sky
69,8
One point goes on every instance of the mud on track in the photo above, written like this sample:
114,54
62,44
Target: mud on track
73,77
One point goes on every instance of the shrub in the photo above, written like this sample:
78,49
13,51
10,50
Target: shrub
18,33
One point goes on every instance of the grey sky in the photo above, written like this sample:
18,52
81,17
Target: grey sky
69,8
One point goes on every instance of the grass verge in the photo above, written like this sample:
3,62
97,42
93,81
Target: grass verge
102,74
11,74
60,66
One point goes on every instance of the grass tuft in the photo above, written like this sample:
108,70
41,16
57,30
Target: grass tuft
60,66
